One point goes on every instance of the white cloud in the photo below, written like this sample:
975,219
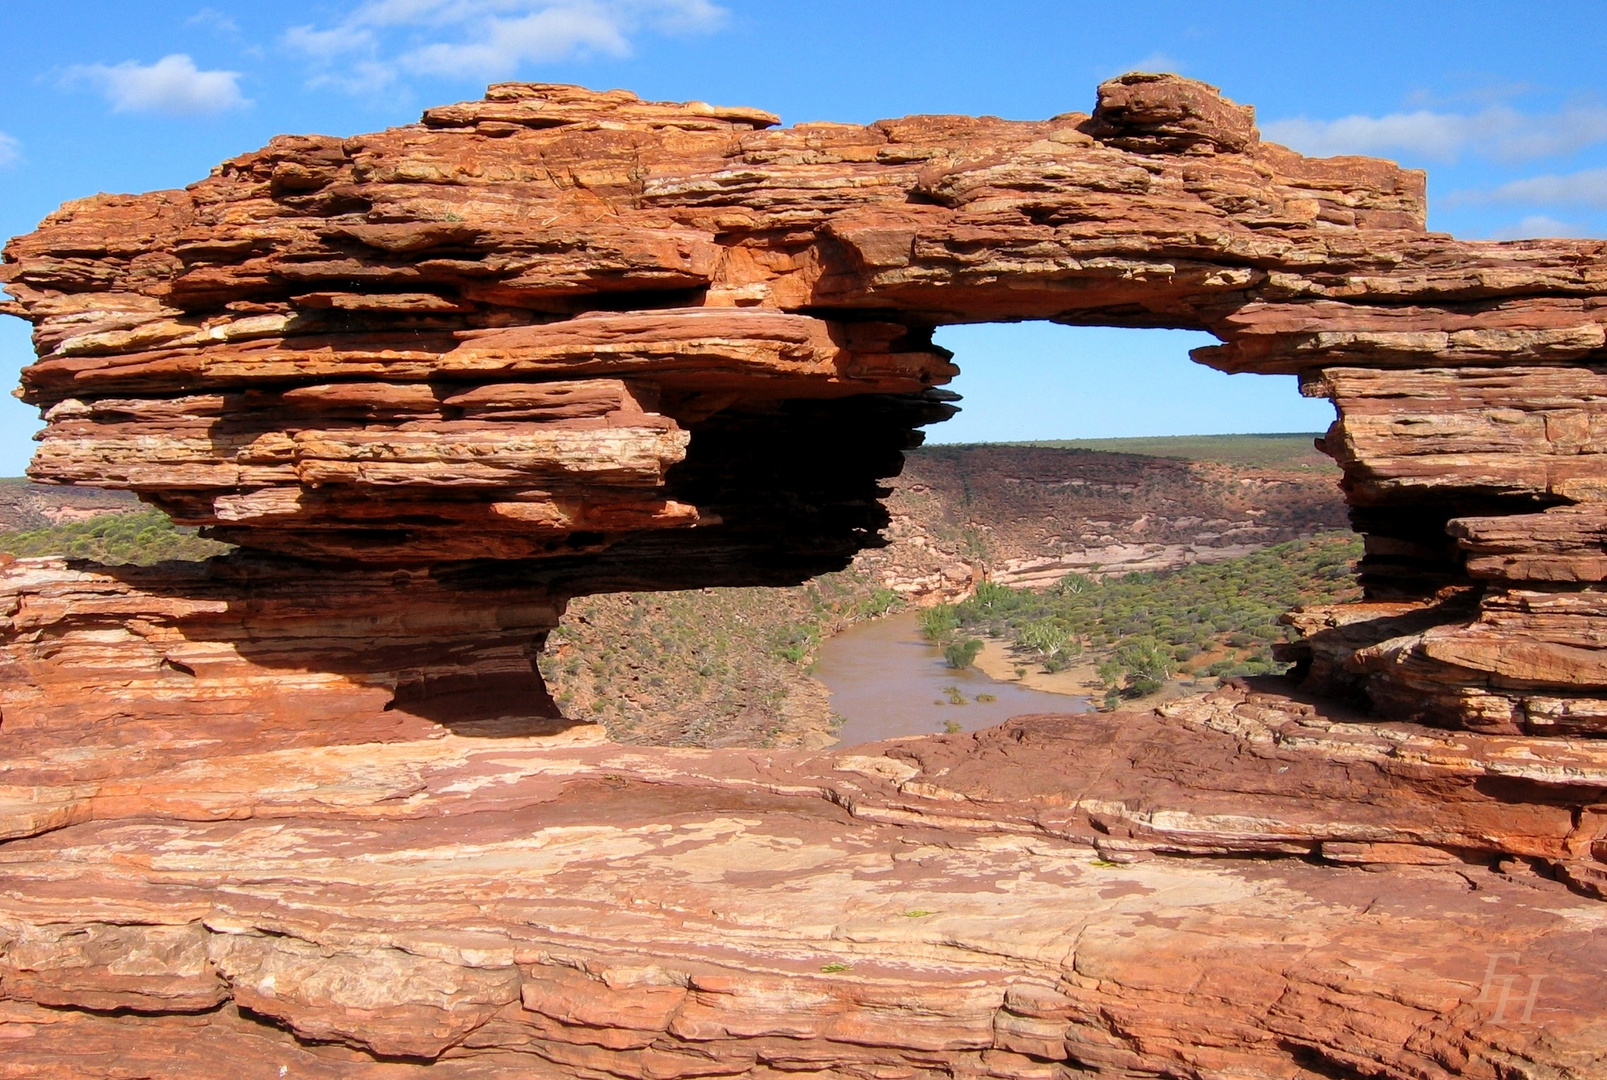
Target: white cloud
1499,132
343,56
1539,226
1588,187
484,39
1156,62
10,151
1432,135
216,19
504,44
329,44
171,85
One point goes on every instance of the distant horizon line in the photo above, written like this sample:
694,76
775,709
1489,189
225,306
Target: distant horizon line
974,442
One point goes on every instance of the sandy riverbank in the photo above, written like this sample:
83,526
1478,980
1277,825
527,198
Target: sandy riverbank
1079,680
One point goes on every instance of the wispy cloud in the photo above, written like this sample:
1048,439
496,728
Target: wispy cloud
172,85
1587,187
1539,226
215,19
10,151
483,39
1499,132
1154,62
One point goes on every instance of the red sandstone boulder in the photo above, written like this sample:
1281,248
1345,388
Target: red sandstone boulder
1168,114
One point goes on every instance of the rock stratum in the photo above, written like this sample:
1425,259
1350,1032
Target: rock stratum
1242,888
308,809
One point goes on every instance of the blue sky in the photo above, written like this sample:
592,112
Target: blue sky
1505,106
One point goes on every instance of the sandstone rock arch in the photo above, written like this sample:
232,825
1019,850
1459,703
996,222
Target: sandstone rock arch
609,343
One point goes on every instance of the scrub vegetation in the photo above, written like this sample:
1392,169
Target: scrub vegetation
707,667
142,538
1284,450
1217,619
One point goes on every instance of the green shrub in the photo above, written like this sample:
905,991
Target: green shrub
1145,624
142,537
1111,673
939,622
796,643
1073,585
1145,656
962,654
879,603
1051,641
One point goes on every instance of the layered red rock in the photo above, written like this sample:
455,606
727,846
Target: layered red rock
554,322
107,671
1005,904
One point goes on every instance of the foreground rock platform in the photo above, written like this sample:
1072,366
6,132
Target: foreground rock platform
1242,887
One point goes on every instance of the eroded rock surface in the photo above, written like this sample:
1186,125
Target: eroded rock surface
1007,904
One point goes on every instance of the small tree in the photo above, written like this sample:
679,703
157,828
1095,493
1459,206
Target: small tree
939,622
1053,644
1073,585
1111,673
962,654
879,603
1148,663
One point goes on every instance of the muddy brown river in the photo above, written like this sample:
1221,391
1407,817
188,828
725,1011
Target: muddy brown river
886,680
